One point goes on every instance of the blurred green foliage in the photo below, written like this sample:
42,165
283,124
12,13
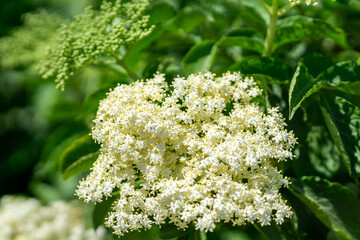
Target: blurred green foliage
312,75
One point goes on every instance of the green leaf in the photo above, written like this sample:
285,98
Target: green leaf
102,209
143,234
270,232
242,32
322,151
223,233
200,57
136,51
343,120
317,63
334,205
344,76
78,156
263,82
198,236
189,18
83,164
256,10
301,87
272,67
249,43
266,79
295,28
245,38
44,192
91,102
160,12
169,231
192,234
56,143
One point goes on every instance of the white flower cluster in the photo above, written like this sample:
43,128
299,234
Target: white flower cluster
307,2
196,151
26,219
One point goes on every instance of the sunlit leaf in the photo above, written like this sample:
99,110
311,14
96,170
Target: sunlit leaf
344,76
343,121
301,87
200,57
295,28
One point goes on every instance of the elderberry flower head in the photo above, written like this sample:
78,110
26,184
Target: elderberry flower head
25,218
95,34
197,151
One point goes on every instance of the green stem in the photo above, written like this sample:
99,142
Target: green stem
121,62
270,34
285,9
265,6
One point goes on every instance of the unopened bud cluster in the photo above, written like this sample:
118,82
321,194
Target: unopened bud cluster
307,2
27,45
95,34
197,151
